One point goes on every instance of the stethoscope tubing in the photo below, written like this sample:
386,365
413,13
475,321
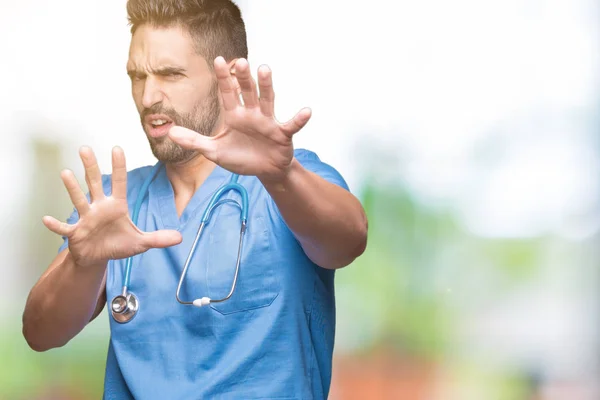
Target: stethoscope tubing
125,306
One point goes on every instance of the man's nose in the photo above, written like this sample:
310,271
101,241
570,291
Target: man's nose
152,93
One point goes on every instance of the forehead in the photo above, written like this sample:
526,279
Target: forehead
154,47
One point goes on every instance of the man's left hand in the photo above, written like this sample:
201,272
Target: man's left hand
252,141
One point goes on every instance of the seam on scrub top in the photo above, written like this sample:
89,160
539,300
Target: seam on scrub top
154,194
311,355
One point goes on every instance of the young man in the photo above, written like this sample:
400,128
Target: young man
206,119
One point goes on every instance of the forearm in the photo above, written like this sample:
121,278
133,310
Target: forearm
62,303
328,221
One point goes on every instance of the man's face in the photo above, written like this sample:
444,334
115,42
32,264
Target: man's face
171,85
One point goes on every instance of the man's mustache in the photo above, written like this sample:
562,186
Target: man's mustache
159,110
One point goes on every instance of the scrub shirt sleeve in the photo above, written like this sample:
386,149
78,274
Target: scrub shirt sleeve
106,185
311,162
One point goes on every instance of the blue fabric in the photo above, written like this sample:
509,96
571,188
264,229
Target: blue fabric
272,340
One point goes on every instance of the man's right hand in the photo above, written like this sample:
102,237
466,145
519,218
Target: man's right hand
104,231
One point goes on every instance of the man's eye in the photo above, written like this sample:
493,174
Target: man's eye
136,77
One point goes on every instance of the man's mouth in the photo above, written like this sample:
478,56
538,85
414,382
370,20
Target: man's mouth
158,125
159,122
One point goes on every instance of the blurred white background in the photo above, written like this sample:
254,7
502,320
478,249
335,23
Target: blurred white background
487,108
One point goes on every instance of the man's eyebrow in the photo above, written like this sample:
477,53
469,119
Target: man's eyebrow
168,70
162,71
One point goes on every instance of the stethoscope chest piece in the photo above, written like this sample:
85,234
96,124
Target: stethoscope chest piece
124,308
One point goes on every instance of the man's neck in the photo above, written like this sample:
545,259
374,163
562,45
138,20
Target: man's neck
187,177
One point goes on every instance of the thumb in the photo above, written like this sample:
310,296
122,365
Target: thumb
161,239
298,122
190,139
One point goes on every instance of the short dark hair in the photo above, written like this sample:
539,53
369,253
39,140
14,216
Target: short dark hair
216,26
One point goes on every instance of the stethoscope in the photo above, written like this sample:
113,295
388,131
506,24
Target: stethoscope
126,305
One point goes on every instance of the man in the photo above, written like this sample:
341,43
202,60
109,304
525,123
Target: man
205,118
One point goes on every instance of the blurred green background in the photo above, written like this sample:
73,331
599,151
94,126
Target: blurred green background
468,130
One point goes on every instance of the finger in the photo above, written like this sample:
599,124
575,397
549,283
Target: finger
161,239
267,95
93,177
119,174
238,90
192,140
60,228
298,122
227,85
247,84
75,193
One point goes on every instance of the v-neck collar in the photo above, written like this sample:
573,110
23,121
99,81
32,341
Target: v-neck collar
162,190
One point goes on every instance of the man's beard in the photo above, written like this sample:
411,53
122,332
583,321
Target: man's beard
202,119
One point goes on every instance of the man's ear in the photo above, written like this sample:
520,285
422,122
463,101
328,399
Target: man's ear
231,66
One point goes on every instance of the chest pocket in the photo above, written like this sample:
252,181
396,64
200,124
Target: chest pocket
257,284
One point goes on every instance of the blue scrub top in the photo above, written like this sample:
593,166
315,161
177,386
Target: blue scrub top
272,340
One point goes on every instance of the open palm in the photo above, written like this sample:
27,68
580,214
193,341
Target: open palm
252,141
104,230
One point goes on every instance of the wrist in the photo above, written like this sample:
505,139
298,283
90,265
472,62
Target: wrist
283,182
79,263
